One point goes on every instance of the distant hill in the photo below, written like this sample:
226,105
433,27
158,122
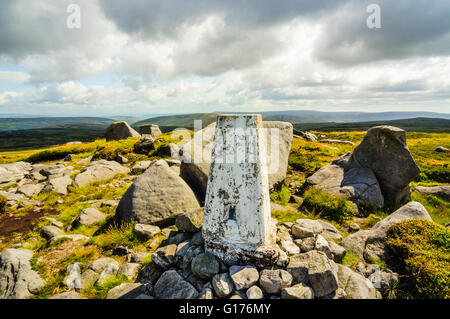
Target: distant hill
187,120
430,125
12,124
49,136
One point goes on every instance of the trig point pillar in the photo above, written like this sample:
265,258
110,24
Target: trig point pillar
237,226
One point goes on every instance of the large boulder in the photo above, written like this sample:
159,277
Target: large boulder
375,247
120,131
99,171
150,129
346,177
272,281
190,222
157,196
196,155
17,279
385,152
172,286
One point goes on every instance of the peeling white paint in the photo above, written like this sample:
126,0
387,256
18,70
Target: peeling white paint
237,220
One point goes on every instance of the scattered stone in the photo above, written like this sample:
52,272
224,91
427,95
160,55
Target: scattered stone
438,191
99,171
205,266
322,245
17,279
140,167
442,149
130,270
138,257
109,203
68,295
299,291
334,141
190,222
145,232
68,158
289,247
197,239
88,216
206,294
48,232
222,284
305,135
88,278
306,244
121,159
304,228
254,292
337,250
329,232
355,243
244,277
85,160
100,264
119,131
109,271
314,267
144,296
355,285
354,227
171,286
272,281
164,257
126,291
150,129
30,190
74,237
157,196
60,184
35,203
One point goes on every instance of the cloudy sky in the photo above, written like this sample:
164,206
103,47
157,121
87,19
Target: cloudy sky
175,56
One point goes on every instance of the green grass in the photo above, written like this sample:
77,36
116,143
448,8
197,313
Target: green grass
327,206
282,196
438,208
424,248
350,260
286,216
116,235
101,291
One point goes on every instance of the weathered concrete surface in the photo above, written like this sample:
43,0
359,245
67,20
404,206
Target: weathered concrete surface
237,204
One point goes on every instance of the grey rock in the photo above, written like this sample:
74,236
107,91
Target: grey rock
73,278
206,294
345,177
190,222
145,232
205,266
289,247
100,264
74,237
356,243
157,196
140,167
99,171
306,244
88,216
88,278
121,159
164,257
375,246
299,291
442,149
119,131
272,281
355,285
126,291
109,271
354,227
130,270
31,202
244,277
150,129
384,151
334,141
30,190
322,245
337,250
68,295
17,279
254,292
60,184
316,269
306,135
222,284
304,228
438,191
138,257
171,286
145,145
197,239
329,232
48,232
14,172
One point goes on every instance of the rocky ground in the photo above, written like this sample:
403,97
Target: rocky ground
128,225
